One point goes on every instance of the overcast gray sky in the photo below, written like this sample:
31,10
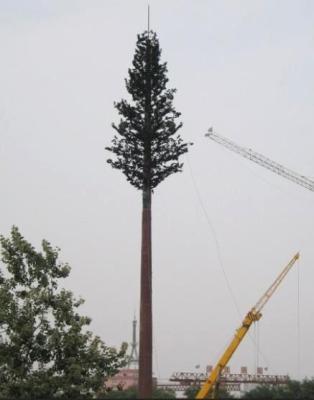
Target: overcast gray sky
246,68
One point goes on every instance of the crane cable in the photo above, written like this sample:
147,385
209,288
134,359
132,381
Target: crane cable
217,245
219,256
257,347
298,327
294,196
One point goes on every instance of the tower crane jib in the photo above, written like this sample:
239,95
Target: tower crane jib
262,160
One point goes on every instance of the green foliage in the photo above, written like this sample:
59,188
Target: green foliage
45,350
164,394
132,393
260,392
192,391
293,390
147,148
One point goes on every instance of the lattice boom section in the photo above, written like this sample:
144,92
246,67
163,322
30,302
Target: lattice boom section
189,378
262,160
182,387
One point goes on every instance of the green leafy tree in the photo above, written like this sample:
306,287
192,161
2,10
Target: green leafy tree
159,393
307,388
261,392
132,393
293,390
191,392
147,150
46,351
222,393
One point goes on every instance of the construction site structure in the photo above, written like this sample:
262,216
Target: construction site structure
262,160
253,315
181,381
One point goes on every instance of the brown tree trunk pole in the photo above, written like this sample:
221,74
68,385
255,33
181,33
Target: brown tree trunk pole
146,326
146,346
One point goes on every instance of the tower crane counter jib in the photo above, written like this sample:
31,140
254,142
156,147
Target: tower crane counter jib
252,316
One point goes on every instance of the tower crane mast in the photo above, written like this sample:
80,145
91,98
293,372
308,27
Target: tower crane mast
252,316
262,160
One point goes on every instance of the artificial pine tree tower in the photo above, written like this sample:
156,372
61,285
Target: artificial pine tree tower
147,150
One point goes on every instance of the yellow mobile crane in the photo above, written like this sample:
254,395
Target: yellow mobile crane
253,315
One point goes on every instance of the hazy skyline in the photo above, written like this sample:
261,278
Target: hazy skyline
243,67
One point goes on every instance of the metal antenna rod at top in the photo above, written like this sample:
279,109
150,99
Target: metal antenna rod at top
148,18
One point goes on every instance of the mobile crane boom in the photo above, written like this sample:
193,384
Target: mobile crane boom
262,160
253,315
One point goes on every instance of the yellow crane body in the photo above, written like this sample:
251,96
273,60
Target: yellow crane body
252,316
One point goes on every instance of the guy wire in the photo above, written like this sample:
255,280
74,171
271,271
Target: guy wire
219,256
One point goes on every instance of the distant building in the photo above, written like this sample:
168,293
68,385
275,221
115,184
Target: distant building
226,370
209,369
244,370
124,379
259,371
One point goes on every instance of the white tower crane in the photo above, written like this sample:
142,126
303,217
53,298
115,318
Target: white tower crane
262,160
